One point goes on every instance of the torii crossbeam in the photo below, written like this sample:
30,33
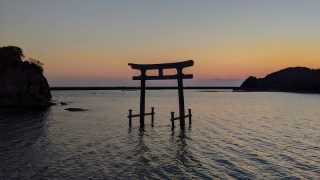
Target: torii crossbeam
160,67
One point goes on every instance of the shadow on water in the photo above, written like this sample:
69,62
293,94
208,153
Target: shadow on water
22,132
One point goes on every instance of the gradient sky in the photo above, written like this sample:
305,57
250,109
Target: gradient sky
84,42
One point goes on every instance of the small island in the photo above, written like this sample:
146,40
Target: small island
22,82
293,79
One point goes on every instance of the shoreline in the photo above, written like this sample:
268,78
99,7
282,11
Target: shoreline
136,88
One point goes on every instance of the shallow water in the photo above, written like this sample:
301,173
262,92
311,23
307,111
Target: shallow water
233,135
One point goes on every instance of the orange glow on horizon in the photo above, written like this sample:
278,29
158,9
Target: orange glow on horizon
234,60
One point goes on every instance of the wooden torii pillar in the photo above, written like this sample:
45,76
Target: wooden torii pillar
160,67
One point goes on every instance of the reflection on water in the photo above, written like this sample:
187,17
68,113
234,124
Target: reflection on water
141,165
181,148
233,135
147,164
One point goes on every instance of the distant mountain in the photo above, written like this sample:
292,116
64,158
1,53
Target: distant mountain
293,79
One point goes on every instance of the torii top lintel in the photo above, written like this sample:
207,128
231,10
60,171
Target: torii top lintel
176,65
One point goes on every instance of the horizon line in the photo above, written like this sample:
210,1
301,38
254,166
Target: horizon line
56,88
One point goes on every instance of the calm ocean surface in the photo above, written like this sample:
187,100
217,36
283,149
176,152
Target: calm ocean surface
234,135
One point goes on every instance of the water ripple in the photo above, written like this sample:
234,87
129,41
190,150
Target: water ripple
233,136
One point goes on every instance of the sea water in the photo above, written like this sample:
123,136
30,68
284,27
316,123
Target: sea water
240,135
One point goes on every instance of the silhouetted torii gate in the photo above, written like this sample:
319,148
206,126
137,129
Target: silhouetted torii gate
160,67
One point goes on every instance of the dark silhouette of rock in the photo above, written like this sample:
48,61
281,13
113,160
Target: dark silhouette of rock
21,81
75,109
63,103
293,79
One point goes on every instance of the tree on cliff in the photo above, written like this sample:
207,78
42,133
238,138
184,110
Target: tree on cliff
11,52
12,57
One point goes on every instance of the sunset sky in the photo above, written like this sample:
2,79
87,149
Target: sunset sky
90,42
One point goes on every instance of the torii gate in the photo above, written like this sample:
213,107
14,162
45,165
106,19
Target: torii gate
160,67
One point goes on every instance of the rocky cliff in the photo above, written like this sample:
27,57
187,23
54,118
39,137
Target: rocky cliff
294,79
21,81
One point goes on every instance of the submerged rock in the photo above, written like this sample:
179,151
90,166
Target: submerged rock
63,103
22,82
74,109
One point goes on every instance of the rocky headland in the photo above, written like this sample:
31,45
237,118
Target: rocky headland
22,82
293,79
